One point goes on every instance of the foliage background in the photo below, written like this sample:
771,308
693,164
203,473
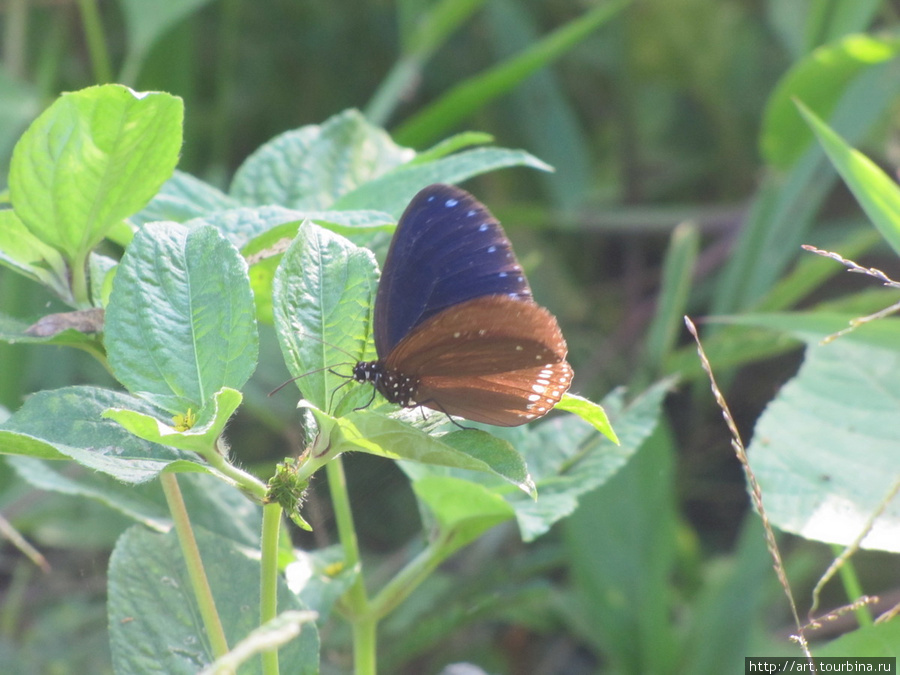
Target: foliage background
652,120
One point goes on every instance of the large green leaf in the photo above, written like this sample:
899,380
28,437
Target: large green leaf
819,81
312,167
566,458
782,213
181,198
154,619
471,450
90,160
622,545
824,450
68,423
463,510
323,293
393,191
212,503
876,192
180,324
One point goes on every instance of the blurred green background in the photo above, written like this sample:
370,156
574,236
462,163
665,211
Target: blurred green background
665,200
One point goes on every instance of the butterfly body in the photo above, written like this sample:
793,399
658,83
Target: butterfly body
456,329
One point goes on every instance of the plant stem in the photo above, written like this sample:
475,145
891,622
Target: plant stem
355,602
406,580
268,591
81,295
96,42
245,481
199,582
853,588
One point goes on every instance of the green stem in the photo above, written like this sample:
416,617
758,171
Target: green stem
199,582
354,603
93,33
81,295
245,481
406,580
268,601
853,588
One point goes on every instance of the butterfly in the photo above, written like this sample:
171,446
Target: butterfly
456,327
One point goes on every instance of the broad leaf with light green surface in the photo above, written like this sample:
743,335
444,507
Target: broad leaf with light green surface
212,503
313,166
393,191
200,438
181,198
322,297
824,450
68,424
180,324
92,159
27,254
566,458
471,449
462,509
154,618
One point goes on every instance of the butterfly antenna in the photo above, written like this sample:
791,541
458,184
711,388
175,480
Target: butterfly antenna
328,344
294,379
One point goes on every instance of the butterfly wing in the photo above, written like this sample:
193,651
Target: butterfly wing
447,249
495,359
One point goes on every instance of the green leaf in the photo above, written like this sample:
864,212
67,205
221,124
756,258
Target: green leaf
320,578
568,458
67,423
463,510
819,80
622,543
146,23
273,634
322,298
312,167
782,214
590,412
90,160
393,191
28,255
824,451
450,145
14,330
471,449
255,228
212,503
154,619
200,438
878,640
181,198
875,191
180,324
464,99
675,288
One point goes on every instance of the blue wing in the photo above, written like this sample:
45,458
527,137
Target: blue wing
447,249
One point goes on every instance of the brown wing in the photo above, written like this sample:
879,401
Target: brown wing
491,334
496,359
505,400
